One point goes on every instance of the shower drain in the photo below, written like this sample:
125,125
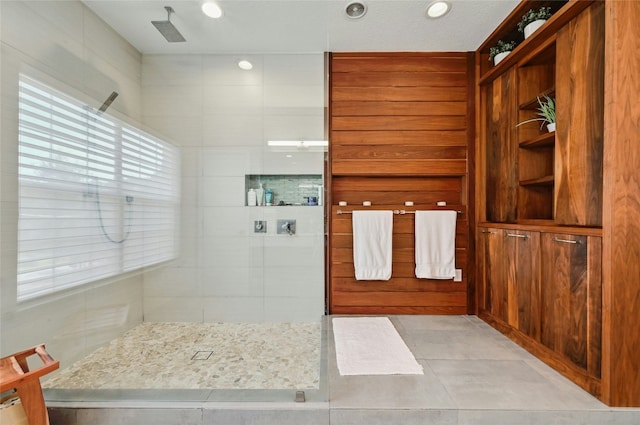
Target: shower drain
202,355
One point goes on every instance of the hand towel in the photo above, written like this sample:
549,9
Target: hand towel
435,234
372,238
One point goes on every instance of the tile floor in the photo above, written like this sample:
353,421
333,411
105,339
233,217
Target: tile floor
473,376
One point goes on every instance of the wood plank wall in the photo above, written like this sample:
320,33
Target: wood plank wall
400,128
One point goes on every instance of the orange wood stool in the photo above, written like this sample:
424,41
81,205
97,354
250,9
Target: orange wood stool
15,375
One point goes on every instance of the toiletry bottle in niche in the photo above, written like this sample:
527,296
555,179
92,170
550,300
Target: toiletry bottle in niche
260,194
251,198
268,197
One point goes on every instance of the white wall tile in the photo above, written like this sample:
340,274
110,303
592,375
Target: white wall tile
223,70
293,127
233,282
62,44
303,69
280,309
233,309
173,70
227,221
173,282
294,281
179,130
233,100
173,309
222,192
233,130
225,162
175,101
225,251
295,98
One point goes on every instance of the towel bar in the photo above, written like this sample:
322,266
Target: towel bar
397,212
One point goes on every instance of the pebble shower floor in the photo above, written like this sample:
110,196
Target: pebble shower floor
201,356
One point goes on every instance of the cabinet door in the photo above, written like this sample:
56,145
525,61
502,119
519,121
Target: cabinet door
522,254
510,278
580,119
571,293
501,148
493,287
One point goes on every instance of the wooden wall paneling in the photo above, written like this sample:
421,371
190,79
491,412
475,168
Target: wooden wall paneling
399,132
621,212
580,112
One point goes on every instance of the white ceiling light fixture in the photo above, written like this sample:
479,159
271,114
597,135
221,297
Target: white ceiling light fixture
211,9
245,64
356,10
438,9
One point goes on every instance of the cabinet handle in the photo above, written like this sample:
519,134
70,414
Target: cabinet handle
515,235
565,240
488,231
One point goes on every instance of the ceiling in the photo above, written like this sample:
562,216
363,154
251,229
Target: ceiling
303,26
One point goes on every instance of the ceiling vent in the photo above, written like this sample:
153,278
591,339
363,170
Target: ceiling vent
356,10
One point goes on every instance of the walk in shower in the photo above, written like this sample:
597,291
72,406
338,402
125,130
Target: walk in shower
231,313
238,314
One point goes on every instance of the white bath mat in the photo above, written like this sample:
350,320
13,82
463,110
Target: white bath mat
372,346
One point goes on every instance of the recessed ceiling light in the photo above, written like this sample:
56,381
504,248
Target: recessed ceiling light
245,64
211,9
356,10
438,9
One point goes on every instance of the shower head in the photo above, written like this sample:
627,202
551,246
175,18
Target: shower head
167,29
107,102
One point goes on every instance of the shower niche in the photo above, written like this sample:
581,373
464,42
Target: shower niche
286,189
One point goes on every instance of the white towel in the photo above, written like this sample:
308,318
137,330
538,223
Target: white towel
436,244
372,238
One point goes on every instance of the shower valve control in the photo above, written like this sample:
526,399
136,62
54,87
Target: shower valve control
260,226
286,227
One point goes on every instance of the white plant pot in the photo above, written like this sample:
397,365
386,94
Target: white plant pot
497,58
551,127
532,27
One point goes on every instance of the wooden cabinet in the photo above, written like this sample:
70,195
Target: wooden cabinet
578,188
580,113
571,301
544,289
501,152
510,277
532,174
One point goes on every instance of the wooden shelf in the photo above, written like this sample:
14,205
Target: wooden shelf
532,104
540,181
571,9
544,140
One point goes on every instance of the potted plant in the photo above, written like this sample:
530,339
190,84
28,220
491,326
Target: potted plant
533,19
501,50
546,113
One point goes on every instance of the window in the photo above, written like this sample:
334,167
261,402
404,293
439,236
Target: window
98,197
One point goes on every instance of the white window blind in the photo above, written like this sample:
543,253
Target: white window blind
98,197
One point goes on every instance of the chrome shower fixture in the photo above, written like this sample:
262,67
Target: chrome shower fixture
167,29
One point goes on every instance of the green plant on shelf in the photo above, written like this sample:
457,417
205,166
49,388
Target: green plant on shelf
534,15
501,47
546,112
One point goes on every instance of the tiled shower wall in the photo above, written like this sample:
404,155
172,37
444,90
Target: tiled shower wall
222,118
63,44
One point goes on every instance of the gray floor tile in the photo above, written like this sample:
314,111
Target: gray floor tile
506,384
460,344
139,416
393,417
266,417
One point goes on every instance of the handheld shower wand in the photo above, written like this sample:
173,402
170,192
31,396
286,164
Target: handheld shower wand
107,102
